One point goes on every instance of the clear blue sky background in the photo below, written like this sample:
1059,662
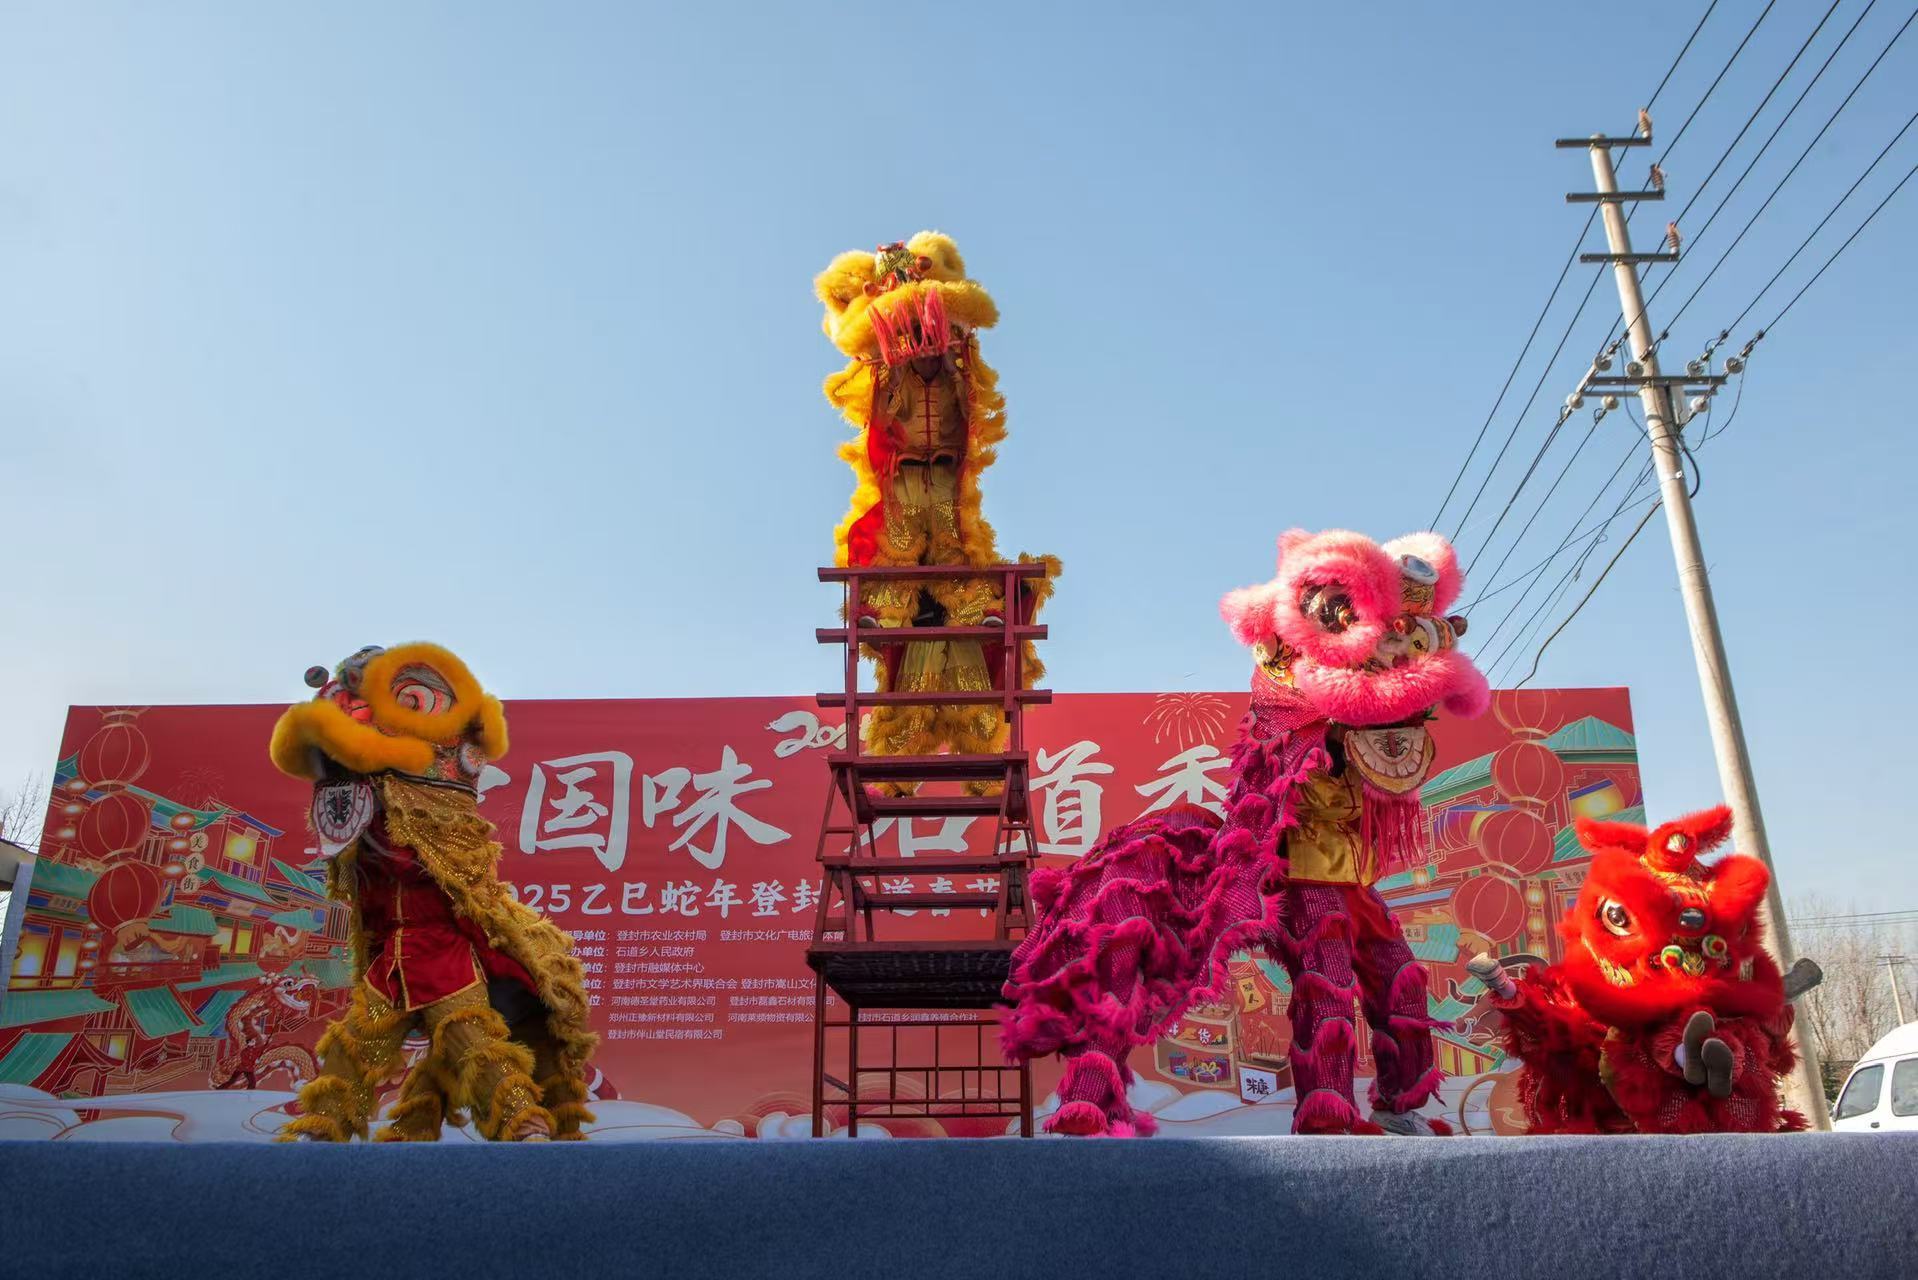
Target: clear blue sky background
329,325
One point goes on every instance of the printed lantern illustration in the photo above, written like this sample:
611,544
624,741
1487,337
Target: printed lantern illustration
1516,839
1489,906
114,824
123,899
117,753
1528,713
1527,773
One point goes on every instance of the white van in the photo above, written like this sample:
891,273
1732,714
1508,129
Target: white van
1882,1091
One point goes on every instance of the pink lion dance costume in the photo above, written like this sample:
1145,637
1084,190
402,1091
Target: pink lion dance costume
1353,651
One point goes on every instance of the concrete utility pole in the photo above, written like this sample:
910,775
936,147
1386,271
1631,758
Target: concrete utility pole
1805,1090
1897,998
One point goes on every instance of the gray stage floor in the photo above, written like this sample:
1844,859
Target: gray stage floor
1834,1206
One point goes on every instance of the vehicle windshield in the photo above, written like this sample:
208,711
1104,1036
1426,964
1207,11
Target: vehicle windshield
1904,1088
1861,1093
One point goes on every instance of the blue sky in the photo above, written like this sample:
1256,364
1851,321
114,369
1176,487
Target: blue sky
329,325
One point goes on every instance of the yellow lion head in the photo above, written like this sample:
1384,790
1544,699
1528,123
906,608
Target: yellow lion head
414,710
878,304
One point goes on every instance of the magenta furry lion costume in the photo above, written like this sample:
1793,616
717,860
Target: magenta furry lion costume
1353,651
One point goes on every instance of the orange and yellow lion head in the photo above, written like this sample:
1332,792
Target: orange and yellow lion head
413,710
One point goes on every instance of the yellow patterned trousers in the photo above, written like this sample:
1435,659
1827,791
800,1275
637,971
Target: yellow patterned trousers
509,1079
922,527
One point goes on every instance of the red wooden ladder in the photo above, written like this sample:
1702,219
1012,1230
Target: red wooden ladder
904,994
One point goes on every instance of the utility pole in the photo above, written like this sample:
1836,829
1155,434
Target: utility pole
1805,1090
1897,999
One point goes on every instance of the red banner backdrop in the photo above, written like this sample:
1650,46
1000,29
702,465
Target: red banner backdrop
173,956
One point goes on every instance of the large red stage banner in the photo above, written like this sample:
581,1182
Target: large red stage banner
173,958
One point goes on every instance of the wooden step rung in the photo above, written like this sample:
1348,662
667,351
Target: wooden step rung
1029,697
927,864
896,901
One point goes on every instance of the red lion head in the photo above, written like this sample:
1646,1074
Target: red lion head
1656,932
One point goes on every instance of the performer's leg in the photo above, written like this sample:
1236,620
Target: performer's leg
1392,986
492,1075
971,730
903,540
1314,943
967,601
420,1112
562,1091
901,731
1092,1092
357,1055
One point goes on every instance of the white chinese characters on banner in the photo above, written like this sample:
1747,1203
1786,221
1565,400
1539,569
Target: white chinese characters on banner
589,812
1070,820
716,806
1187,779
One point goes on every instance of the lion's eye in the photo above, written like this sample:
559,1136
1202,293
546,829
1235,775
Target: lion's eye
1614,917
1330,606
421,689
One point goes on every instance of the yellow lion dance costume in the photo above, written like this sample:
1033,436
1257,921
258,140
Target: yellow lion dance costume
929,417
394,742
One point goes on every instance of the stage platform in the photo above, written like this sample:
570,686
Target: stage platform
1832,1205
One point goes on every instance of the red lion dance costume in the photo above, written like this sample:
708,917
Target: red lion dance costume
929,417
1666,1015
1353,652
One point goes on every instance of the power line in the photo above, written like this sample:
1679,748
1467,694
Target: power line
1772,137
1853,917
1629,539
1712,432
1564,542
1570,258
1597,417
1753,117
1531,623
1535,619
1725,200
1597,276
1736,240
1830,214
1572,540
1841,248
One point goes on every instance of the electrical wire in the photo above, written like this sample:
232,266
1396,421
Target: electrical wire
1597,276
1765,146
1841,248
1497,630
1570,259
1531,624
1724,200
1736,240
1600,581
1712,432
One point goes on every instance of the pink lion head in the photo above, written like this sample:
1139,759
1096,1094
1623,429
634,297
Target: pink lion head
1361,629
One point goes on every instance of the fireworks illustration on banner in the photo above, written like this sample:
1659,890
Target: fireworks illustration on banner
1187,718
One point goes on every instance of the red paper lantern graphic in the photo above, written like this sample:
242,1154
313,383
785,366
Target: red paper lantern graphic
1528,713
1529,774
1489,906
1517,839
117,752
124,895
114,824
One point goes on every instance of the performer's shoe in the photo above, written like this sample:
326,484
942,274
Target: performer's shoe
1409,1124
1691,1046
1077,1119
1719,1062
